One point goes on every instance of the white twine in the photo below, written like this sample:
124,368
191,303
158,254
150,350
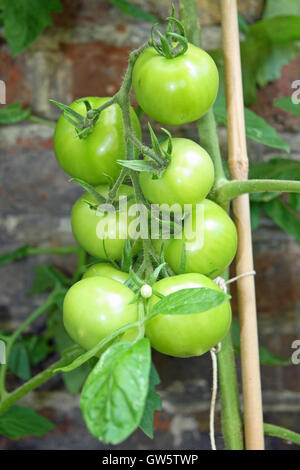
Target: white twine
213,352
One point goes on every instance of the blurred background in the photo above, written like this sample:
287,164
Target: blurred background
84,53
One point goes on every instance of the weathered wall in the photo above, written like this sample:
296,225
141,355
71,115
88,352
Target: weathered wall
85,53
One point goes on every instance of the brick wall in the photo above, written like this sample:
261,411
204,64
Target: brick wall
85,53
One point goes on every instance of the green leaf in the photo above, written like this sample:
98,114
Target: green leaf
257,128
19,421
284,217
46,278
255,212
24,21
14,255
276,168
278,56
75,379
153,403
281,8
286,104
140,165
18,361
278,30
13,113
268,45
114,395
243,25
294,201
188,301
126,7
266,357
37,348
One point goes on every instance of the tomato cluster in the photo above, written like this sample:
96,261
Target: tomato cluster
173,91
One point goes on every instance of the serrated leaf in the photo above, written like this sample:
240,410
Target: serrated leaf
269,44
153,403
278,56
19,421
257,128
188,301
13,113
285,217
114,395
132,10
14,255
286,104
25,21
266,357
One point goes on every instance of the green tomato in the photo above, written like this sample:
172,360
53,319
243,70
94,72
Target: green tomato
93,157
210,249
187,180
106,270
191,334
95,307
87,224
178,90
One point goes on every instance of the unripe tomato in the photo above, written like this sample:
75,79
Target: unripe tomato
95,156
178,90
87,223
106,270
190,334
212,247
95,307
187,180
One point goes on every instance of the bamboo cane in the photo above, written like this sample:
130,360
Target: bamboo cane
238,164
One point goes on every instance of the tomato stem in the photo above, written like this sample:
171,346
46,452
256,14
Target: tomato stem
231,189
11,398
10,341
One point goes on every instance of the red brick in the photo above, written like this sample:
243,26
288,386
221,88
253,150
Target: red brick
277,283
161,422
97,69
12,73
81,11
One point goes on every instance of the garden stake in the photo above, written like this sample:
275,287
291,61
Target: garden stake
238,165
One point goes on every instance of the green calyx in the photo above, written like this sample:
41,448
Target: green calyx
84,125
171,44
160,158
